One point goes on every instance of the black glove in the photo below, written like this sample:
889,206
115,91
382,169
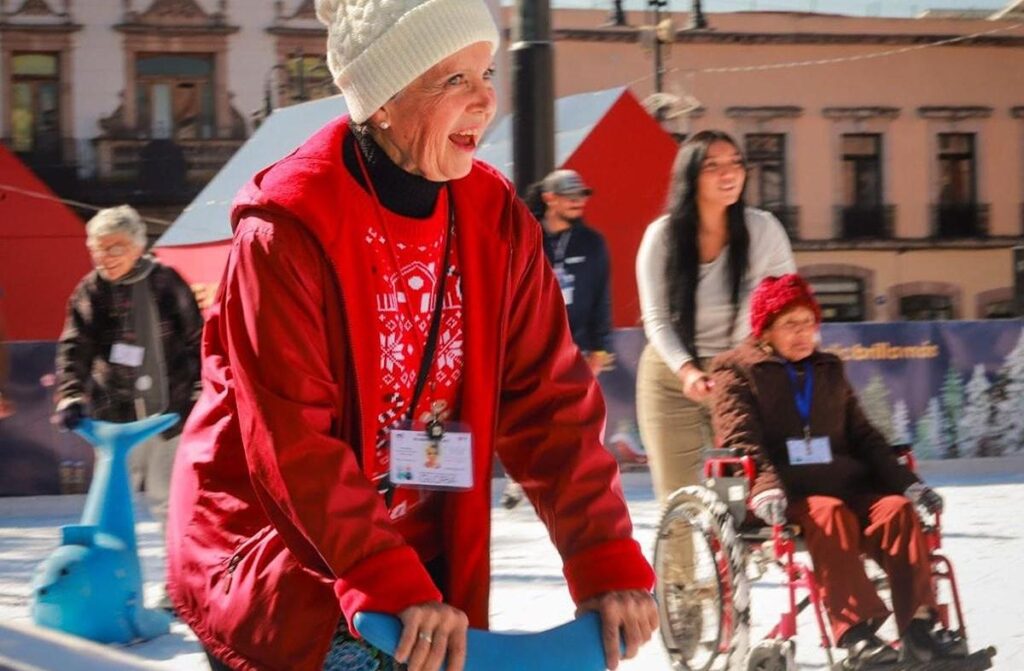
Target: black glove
926,497
70,416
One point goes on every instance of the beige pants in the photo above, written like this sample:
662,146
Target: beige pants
149,467
674,429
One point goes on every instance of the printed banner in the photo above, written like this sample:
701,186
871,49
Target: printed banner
952,389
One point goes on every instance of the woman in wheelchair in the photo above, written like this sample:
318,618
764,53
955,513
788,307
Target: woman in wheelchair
822,465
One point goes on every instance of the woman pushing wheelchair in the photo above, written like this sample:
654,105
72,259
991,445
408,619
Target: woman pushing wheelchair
822,465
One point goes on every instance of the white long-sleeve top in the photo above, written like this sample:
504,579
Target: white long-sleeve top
770,255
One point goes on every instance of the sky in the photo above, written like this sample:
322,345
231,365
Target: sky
898,8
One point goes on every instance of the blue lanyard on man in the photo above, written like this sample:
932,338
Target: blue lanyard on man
802,397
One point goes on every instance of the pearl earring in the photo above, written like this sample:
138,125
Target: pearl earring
384,125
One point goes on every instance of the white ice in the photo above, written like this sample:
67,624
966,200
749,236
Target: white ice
983,530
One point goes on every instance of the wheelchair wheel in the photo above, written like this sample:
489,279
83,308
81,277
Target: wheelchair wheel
702,590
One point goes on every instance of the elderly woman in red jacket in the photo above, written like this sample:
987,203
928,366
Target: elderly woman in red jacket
385,291
822,465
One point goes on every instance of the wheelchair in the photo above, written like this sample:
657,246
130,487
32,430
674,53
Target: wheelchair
704,600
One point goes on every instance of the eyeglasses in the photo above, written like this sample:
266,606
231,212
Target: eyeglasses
794,326
714,168
113,250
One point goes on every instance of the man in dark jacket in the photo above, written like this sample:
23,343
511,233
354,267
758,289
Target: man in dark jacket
130,347
579,256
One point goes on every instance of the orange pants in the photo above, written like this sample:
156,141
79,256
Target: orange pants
886,529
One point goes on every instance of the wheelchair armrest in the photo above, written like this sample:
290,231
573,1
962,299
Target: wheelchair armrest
723,453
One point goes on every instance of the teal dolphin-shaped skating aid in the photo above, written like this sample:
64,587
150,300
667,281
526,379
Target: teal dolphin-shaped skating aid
91,586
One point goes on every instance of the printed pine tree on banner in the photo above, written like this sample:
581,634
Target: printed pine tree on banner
1010,415
901,424
952,408
929,443
973,424
875,400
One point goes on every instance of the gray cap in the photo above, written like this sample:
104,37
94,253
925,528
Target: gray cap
565,183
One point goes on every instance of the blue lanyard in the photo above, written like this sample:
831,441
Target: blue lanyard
802,396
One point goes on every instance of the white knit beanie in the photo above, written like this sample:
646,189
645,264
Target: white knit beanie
375,48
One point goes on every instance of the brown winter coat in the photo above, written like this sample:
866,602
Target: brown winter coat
754,409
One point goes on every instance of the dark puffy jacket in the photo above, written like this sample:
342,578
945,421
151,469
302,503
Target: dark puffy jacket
97,317
754,409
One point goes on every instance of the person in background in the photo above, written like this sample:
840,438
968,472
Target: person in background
579,257
383,291
823,466
130,348
695,269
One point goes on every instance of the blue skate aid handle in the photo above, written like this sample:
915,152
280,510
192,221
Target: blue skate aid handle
573,646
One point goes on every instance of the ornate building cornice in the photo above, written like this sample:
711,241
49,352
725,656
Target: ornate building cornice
632,35
860,113
954,112
175,17
37,16
300,22
765,112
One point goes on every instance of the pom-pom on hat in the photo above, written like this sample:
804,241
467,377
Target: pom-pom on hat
375,48
775,295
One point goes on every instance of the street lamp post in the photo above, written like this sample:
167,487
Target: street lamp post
659,62
533,93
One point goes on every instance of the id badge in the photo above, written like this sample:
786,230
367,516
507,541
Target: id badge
417,460
810,450
566,282
127,355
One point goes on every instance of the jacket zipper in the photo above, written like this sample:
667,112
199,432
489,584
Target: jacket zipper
233,563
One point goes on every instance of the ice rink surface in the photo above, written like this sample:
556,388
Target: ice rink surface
983,531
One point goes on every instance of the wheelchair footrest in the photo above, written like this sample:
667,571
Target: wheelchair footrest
976,661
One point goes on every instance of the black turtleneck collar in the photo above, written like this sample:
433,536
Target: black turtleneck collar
401,192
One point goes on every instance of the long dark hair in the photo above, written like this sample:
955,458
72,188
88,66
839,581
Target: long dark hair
682,269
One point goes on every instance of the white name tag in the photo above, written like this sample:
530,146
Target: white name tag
127,355
417,461
815,450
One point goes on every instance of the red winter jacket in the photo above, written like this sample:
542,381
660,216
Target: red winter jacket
275,531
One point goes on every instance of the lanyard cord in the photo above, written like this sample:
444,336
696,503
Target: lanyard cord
430,346
802,397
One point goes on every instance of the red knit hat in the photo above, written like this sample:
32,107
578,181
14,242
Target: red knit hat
775,295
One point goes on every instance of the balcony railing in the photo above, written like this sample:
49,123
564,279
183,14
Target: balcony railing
857,222
960,220
124,160
789,217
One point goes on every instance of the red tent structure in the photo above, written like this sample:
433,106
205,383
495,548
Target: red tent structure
623,154
607,136
42,253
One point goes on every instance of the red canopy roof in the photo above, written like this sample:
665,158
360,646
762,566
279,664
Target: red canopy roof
42,253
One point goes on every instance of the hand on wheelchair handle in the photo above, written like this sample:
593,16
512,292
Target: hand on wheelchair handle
922,495
770,505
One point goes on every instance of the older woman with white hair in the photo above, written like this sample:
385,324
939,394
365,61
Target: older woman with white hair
386,295
130,346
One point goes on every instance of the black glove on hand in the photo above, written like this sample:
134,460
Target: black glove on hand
926,497
71,416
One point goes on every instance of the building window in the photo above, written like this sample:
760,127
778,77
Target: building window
841,298
766,176
35,104
309,78
926,307
862,213
958,213
175,96
999,310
